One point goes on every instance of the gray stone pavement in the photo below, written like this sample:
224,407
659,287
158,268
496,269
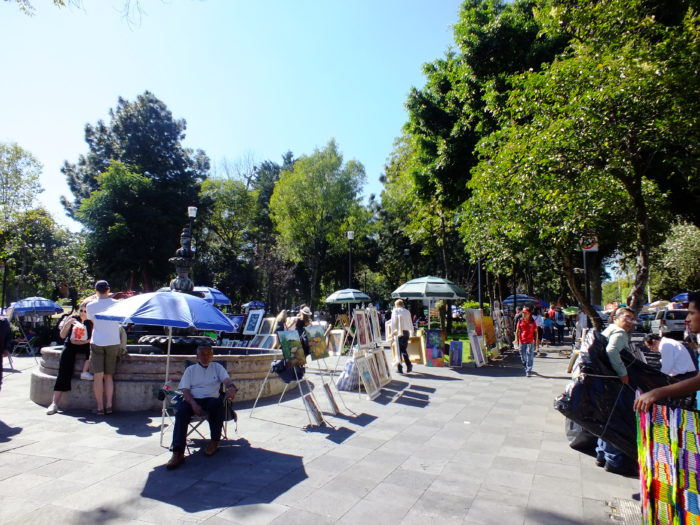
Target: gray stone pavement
444,446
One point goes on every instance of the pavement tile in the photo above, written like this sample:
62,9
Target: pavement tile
254,513
371,511
329,503
439,505
491,513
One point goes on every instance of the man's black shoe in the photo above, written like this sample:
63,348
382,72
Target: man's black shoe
600,461
400,369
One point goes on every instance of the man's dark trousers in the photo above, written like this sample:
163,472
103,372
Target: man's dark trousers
214,406
403,349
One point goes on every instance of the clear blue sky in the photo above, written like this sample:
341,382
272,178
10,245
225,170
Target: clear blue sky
249,77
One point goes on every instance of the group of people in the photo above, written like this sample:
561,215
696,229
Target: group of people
99,341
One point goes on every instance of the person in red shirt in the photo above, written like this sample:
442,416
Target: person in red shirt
526,337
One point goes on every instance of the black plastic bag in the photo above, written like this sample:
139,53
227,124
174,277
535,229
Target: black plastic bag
599,402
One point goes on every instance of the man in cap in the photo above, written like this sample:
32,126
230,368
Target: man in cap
527,337
104,348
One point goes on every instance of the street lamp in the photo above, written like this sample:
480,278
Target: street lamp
406,253
351,236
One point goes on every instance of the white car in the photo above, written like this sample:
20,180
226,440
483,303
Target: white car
669,323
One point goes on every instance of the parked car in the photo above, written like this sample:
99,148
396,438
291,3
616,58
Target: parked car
643,323
669,323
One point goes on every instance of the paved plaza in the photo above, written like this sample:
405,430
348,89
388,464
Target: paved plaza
438,446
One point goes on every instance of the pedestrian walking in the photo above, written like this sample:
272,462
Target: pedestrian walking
526,338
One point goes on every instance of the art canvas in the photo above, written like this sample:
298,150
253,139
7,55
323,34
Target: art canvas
383,365
317,342
335,341
434,344
313,410
489,331
257,341
477,354
363,370
474,321
361,328
374,368
456,348
238,322
331,400
374,325
291,347
267,326
252,324
270,341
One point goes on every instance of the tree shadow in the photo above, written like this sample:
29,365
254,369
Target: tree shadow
545,517
142,424
434,377
238,471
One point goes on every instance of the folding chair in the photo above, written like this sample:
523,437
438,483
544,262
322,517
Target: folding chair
26,347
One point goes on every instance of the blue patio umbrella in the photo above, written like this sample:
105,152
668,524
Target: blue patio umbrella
680,298
35,306
521,299
254,304
212,295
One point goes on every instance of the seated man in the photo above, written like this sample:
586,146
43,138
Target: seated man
675,358
200,388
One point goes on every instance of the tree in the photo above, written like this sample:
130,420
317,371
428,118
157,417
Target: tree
143,137
676,268
19,180
313,205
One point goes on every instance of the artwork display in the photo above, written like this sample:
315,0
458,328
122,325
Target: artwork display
313,410
383,367
474,321
361,328
477,354
238,322
267,326
434,345
374,368
489,331
374,325
331,400
335,341
317,342
363,370
269,342
456,349
291,347
257,341
253,322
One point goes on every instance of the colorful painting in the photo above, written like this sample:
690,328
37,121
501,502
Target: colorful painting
477,354
291,347
456,348
363,370
238,322
335,341
252,324
361,328
383,366
374,325
317,342
313,410
374,367
489,331
267,326
474,321
434,345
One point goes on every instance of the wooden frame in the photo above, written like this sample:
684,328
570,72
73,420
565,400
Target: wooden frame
365,375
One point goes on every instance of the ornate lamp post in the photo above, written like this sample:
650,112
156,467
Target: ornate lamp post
184,257
351,236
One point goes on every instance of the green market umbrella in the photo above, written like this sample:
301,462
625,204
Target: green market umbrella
348,295
431,288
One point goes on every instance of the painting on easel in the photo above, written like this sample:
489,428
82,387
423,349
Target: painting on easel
291,347
317,342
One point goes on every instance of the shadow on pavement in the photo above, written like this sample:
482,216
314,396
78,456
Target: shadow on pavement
361,420
238,471
424,375
142,424
6,432
336,435
545,516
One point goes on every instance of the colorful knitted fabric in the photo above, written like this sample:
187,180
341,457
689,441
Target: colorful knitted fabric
668,441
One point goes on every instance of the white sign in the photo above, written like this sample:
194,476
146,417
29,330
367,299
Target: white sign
588,244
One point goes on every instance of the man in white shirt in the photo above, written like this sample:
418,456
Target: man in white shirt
675,358
104,349
402,326
200,390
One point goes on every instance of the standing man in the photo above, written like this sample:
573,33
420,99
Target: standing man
104,349
560,323
402,326
5,342
526,336
618,338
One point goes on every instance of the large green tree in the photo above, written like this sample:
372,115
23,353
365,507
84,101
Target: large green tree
314,204
143,136
19,179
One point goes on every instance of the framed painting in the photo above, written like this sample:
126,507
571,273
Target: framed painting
291,347
270,341
257,341
331,400
238,322
434,345
474,321
477,354
456,349
363,371
253,322
317,342
335,341
374,368
267,326
383,365
374,324
313,410
361,328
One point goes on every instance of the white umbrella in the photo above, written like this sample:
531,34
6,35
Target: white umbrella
348,295
431,288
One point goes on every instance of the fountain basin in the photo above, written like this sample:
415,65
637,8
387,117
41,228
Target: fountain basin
139,377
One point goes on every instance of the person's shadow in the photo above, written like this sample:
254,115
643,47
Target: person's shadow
6,432
237,472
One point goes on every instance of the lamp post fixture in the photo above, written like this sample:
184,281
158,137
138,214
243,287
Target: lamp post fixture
351,236
184,257
406,253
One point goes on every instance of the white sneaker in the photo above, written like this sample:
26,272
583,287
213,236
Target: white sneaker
53,408
87,376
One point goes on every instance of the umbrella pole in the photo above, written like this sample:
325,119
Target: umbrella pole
167,359
163,411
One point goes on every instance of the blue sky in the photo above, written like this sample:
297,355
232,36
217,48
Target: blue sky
251,78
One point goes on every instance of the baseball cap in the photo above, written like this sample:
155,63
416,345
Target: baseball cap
526,309
102,286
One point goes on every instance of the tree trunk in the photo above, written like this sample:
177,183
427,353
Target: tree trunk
636,298
574,285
